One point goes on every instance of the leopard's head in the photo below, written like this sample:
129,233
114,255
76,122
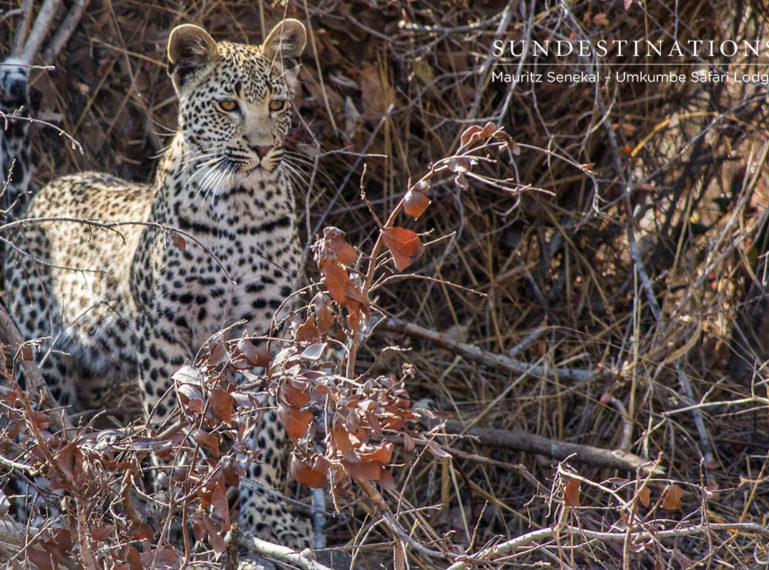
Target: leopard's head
235,100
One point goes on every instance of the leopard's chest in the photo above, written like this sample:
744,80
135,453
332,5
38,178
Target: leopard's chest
237,261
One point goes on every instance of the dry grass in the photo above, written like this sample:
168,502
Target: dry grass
633,266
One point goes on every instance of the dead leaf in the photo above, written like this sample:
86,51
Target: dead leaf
70,461
324,316
571,493
209,442
222,404
644,495
364,470
307,331
381,454
672,499
313,477
415,203
376,93
294,420
404,245
178,241
335,279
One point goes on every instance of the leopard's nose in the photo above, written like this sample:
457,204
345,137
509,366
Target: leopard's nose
261,150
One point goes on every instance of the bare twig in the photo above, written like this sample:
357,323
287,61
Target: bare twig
282,553
64,31
41,30
481,356
533,443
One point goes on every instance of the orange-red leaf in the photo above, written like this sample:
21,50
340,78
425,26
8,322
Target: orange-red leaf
404,244
672,499
335,278
178,241
293,396
313,477
382,454
342,442
222,403
324,316
571,493
415,203
307,331
364,470
294,420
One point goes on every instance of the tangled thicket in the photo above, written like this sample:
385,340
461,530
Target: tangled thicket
590,277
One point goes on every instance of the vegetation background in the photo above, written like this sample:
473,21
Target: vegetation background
599,282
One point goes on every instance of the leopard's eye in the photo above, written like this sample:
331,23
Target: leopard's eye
278,104
228,105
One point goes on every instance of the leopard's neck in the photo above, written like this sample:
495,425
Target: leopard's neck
186,195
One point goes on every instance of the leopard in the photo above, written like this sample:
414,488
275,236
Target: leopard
98,275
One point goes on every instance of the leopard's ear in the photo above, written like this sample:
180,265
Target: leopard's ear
190,50
284,46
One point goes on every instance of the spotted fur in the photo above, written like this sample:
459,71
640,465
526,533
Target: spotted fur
14,132
126,303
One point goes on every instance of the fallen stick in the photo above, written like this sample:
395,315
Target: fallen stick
476,354
560,450
280,552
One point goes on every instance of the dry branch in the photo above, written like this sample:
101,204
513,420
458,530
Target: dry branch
560,450
486,358
282,553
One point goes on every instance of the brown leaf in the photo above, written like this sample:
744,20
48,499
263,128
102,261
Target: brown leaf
313,477
217,352
132,556
436,449
386,479
343,251
469,135
222,404
335,279
70,461
415,203
220,504
403,244
178,241
293,396
142,531
307,331
103,532
341,440
644,495
672,499
26,353
207,441
294,420
382,454
255,355
571,493
363,470
324,316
